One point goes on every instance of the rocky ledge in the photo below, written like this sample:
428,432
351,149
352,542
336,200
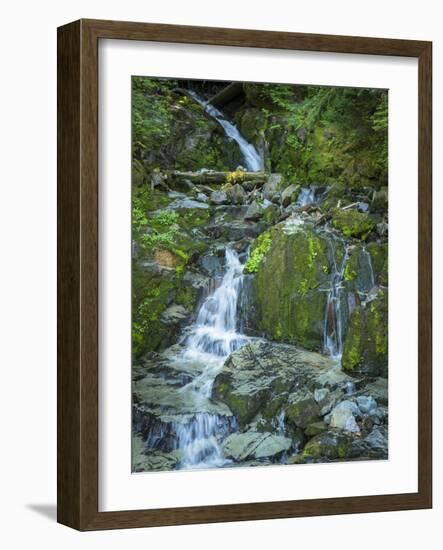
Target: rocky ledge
294,405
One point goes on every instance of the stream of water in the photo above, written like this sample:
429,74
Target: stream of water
250,154
209,342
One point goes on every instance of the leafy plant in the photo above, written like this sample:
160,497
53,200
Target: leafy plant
261,247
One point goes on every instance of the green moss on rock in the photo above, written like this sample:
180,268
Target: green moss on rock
379,258
352,223
366,345
330,445
289,306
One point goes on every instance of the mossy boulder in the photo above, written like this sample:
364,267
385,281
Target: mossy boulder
365,349
352,223
302,410
329,445
288,305
259,377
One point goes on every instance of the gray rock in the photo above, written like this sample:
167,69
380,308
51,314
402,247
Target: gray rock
363,207
320,394
250,445
212,264
260,376
187,204
236,194
289,194
144,461
302,410
272,446
254,212
201,197
316,428
219,197
379,390
270,188
328,403
174,314
343,417
377,441
366,404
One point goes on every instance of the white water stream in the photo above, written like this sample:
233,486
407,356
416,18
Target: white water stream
210,341
250,154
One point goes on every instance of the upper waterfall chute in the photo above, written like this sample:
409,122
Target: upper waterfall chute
250,154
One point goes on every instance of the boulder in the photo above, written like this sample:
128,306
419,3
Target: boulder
201,197
236,194
141,461
366,404
302,410
290,194
372,447
343,416
254,211
255,445
272,185
378,389
316,428
261,376
218,198
365,349
329,445
174,314
288,290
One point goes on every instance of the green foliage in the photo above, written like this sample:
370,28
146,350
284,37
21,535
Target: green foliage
151,113
165,218
237,176
261,246
293,120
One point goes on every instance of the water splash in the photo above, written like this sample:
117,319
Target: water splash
250,154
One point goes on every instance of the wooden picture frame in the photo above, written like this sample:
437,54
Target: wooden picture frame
78,274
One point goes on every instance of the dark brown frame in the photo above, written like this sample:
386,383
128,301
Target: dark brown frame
78,285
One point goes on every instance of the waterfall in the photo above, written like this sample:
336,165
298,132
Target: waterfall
210,341
306,196
366,257
335,316
250,154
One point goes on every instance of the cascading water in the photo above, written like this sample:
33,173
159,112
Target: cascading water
250,154
334,317
209,342
306,196
366,258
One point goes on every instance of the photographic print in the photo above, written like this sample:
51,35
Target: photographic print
259,274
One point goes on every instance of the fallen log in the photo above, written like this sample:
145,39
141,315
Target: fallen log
218,177
227,94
